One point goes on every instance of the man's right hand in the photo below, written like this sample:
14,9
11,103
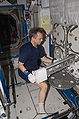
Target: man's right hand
31,78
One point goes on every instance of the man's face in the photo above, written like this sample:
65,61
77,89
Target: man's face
39,38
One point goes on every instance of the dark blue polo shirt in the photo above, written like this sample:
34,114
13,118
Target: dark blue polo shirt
29,55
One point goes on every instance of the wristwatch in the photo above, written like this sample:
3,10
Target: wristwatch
25,72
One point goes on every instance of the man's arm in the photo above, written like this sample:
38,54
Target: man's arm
30,76
46,59
22,68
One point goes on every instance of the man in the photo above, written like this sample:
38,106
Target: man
30,53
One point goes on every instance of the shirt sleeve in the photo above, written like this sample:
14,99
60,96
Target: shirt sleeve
22,55
42,51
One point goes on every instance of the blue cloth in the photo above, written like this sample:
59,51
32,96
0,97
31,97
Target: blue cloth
29,55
